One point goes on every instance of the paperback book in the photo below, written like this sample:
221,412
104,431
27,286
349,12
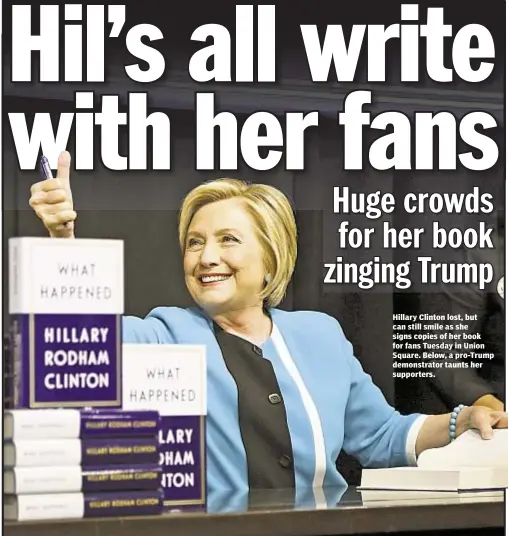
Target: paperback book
82,505
68,479
61,423
84,452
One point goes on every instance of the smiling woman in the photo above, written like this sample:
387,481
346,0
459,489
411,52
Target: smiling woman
285,394
239,245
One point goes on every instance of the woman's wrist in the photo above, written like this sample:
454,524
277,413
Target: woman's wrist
463,421
60,234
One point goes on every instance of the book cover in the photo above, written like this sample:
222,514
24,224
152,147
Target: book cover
469,463
443,479
84,452
469,450
67,479
80,505
400,497
172,380
66,299
52,423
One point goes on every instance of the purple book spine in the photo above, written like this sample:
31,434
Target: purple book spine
183,460
120,451
66,360
124,503
119,423
112,478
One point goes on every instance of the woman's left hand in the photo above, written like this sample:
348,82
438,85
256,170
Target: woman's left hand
435,431
483,419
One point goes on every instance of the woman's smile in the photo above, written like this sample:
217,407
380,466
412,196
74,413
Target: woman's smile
213,280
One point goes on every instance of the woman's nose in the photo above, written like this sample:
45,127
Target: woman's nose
210,255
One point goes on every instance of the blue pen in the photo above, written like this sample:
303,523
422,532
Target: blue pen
45,169
47,174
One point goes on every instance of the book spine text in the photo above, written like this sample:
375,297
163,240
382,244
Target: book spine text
68,479
85,452
128,503
73,424
79,505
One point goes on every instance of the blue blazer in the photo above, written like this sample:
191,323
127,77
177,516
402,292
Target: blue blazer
331,403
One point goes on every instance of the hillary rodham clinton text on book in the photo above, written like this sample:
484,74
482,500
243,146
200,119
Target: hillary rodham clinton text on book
62,463
171,378
52,437
79,505
66,298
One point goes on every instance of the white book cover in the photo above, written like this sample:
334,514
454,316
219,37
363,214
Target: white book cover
468,463
66,298
392,498
469,450
44,507
42,453
171,378
401,496
80,276
443,479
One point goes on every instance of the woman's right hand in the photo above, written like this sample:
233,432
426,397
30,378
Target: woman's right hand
51,200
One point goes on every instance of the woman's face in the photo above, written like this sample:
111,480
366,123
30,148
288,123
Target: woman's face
223,260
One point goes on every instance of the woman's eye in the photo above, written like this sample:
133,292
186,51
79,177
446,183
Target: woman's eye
229,238
193,242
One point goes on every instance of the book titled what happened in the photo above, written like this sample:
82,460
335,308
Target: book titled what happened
74,478
31,507
65,423
171,379
84,452
66,298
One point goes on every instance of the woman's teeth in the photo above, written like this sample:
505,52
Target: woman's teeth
213,278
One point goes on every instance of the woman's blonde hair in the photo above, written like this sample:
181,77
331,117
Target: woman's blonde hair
275,226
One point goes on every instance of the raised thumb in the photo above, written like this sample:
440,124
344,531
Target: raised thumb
64,169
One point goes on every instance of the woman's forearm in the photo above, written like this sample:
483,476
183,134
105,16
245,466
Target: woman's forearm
435,431
490,401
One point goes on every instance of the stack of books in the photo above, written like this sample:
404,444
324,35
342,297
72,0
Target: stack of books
468,465
65,352
69,463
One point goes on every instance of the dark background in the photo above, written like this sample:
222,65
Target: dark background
141,207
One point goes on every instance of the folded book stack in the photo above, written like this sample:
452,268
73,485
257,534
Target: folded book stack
67,463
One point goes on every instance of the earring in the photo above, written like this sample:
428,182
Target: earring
268,278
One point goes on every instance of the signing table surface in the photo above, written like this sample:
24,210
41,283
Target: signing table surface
311,513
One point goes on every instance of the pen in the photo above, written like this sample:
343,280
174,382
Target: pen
45,169
47,174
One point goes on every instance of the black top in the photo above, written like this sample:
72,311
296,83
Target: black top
261,412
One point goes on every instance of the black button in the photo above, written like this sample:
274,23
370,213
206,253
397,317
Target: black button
274,398
285,461
257,349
